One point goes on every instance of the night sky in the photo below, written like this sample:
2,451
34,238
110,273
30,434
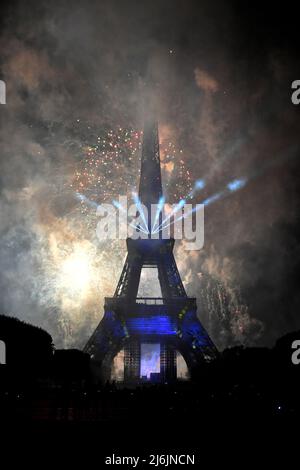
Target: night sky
220,74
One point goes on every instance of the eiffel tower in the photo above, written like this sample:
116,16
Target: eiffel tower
168,323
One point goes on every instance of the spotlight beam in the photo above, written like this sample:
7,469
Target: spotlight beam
121,208
232,186
140,209
176,209
158,211
86,200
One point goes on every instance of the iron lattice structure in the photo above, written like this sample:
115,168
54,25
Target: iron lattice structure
170,321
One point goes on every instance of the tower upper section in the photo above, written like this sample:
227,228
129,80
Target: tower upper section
150,189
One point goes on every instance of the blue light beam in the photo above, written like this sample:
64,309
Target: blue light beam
87,201
158,211
173,212
138,204
121,208
236,184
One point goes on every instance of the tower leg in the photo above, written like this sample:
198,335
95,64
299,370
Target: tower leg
132,360
168,369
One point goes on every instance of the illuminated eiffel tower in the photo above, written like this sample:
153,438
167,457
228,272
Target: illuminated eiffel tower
168,324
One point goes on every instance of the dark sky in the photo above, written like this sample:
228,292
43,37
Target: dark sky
220,74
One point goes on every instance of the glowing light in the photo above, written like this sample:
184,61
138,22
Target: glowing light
75,272
151,325
236,184
182,369
200,184
150,359
118,367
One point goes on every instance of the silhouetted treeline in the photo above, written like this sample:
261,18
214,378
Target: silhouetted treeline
27,347
30,355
